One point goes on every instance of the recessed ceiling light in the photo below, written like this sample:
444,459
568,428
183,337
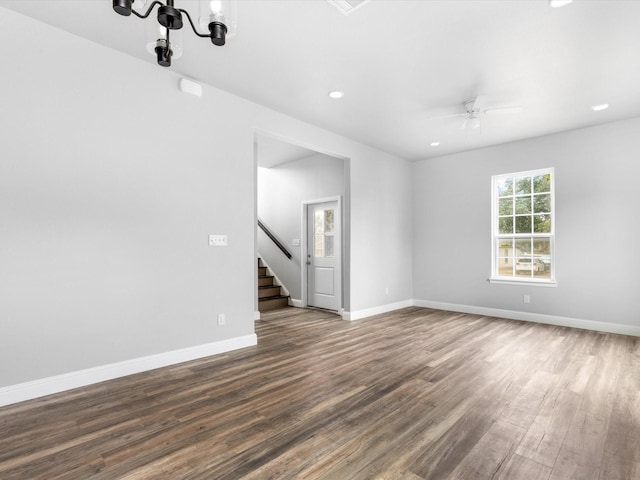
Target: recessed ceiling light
435,144
559,3
597,108
336,94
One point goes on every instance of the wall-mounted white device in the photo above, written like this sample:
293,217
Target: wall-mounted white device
189,86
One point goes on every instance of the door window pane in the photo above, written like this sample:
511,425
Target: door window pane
328,221
328,246
318,246
318,222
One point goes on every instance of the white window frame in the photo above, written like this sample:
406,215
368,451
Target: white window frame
496,236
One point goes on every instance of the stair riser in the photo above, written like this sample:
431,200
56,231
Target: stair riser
262,271
268,292
265,281
272,304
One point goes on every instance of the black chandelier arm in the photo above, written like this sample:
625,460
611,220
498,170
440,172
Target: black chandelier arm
193,27
148,12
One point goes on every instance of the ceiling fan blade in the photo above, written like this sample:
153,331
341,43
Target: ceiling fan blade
464,124
453,115
480,102
505,109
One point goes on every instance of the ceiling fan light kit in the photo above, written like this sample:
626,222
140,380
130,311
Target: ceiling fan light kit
219,16
475,109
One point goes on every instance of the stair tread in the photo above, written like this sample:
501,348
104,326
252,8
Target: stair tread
266,298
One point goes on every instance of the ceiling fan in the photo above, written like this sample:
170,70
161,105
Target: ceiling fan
474,110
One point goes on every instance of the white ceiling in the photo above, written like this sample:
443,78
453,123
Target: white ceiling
401,62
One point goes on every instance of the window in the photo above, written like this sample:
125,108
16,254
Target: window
523,225
323,233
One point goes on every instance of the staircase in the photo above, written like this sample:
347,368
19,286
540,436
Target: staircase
270,296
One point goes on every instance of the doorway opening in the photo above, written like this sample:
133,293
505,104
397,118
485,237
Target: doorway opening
290,178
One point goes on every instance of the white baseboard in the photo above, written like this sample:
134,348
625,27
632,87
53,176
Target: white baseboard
534,317
618,328
295,302
60,383
368,312
256,315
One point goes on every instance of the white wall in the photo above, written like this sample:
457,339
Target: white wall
597,230
281,191
108,190
111,180
381,226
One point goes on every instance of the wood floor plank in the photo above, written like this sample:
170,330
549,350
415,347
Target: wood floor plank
491,454
414,394
580,456
621,459
545,435
521,467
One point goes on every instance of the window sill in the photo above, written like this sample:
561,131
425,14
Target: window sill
522,281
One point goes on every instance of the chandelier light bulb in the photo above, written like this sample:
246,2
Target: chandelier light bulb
215,6
217,14
220,19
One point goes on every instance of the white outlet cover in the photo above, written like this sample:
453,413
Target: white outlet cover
217,240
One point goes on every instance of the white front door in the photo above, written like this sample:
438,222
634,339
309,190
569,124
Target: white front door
324,280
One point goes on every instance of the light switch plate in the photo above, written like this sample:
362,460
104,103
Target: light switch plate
217,240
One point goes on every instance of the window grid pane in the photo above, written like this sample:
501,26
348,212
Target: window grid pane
523,237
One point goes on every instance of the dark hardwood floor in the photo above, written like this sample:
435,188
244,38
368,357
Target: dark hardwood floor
414,394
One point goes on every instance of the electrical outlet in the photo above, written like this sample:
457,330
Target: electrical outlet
526,299
221,319
217,240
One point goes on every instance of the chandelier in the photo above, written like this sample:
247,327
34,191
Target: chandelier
218,15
